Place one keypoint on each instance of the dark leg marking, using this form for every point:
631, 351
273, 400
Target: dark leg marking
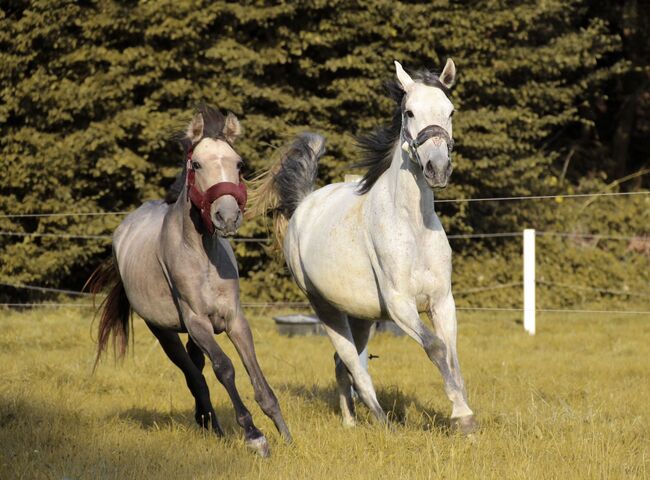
173, 347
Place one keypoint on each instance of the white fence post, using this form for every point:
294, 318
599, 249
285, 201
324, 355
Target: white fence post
529, 280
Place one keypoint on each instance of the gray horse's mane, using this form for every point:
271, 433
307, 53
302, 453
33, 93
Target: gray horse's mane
377, 146
213, 124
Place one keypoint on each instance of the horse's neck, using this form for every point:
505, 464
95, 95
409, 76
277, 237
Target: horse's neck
183, 218
408, 192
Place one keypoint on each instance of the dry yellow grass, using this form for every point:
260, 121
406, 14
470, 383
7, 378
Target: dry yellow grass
572, 402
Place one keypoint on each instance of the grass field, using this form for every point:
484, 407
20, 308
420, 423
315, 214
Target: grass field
571, 402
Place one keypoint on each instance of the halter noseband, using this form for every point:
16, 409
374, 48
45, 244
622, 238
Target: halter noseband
411, 145
203, 200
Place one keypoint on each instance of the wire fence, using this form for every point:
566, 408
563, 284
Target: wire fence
588, 236
266, 239
542, 197
105, 237
307, 305
451, 200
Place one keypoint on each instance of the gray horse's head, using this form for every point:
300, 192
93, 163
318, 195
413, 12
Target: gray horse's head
426, 123
209, 139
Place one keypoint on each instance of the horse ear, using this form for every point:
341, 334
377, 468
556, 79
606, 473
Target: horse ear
448, 75
232, 128
404, 78
195, 129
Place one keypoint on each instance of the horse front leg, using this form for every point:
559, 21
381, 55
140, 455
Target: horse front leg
202, 332
241, 336
443, 318
404, 313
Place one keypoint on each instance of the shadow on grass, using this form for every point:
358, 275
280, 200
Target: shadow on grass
151, 419
406, 410
41, 440
401, 408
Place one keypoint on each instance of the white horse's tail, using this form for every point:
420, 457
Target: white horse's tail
282, 187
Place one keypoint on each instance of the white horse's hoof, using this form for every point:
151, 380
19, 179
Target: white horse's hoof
349, 422
260, 446
464, 425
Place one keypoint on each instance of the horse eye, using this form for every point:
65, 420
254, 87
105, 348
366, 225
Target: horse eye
452, 113
409, 114
196, 165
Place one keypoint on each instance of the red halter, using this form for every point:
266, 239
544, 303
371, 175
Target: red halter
203, 200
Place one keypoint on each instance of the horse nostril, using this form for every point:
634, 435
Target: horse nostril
428, 169
218, 217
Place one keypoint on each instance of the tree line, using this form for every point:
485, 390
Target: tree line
552, 97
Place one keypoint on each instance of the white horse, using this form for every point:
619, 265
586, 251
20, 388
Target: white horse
376, 249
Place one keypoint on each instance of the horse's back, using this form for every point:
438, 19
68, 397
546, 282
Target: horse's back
137, 247
139, 230
326, 249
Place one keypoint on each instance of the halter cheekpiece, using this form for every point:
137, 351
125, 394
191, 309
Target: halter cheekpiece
411, 144
203, 200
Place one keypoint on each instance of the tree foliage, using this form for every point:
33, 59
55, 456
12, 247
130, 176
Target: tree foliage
93, 91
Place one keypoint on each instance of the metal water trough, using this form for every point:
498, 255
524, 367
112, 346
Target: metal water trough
299, 324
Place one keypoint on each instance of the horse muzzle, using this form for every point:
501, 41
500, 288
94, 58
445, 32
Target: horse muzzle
226, 216
221, 207
437, 172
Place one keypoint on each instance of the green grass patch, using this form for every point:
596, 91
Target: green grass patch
571, 402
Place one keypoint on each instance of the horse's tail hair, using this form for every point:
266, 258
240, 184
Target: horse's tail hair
281, 188
115, 309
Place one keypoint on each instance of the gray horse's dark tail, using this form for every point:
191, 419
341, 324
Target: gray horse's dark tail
115, 309
282, 187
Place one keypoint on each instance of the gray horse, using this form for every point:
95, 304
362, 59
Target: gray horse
173, 267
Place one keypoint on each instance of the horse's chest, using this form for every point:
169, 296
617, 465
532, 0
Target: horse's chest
217, 293
206, 285
430, 277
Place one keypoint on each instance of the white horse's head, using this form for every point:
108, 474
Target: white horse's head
426, 123
218, 190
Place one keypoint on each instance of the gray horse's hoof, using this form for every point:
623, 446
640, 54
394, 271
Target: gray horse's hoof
288, 439
464, 425
260, 446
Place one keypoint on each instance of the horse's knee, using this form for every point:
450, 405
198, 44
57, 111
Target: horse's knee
268, 403
436, 348
224, 370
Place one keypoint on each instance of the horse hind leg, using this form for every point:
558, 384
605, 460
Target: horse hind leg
171, 344
344, 385
361, 332
203, 417
338, 329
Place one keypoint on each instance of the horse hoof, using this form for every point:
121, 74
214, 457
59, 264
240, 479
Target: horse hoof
349, 422
260, 446
286, 436
213, 426
464, 425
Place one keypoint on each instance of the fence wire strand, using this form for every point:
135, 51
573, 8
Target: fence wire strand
302, 304
451, 200
592, 289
